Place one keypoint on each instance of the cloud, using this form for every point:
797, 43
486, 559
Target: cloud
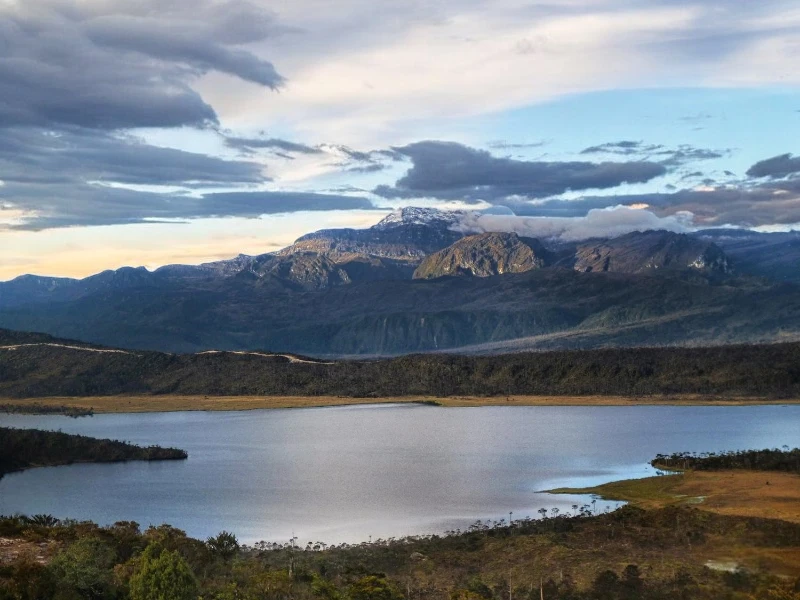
79, 156
415, 62
250, 144
51, 207
371, 168
777, 166
744, 205
624, 147
449, 170
686, 154
90, 177
504, 145
121, 65
672, 157
609, 222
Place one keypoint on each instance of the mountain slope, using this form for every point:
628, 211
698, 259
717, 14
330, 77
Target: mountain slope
649, 251
484, 255
394, 317
774, 256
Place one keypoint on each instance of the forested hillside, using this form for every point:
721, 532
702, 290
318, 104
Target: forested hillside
63, 368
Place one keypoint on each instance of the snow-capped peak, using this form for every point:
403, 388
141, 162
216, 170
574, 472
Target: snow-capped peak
413, 215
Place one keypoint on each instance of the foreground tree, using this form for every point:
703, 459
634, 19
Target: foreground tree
162, 575
85, 569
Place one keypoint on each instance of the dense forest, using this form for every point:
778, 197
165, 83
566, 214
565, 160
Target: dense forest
25, 448
42, 368
758, 460
630, 554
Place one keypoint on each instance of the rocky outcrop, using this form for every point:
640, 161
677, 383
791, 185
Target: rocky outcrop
484, 255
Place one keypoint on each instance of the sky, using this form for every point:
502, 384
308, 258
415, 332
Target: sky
184, 131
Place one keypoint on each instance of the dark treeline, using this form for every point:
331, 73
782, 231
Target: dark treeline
630, 554
33, 408
25, 448
771, 371
757, 460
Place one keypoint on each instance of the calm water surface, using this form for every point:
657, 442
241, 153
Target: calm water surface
347, 473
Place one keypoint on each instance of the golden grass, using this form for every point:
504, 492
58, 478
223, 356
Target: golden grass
170, 403
766, 494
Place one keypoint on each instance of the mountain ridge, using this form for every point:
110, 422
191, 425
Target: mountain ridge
358, 297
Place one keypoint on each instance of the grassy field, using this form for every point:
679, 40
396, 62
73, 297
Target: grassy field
132, 404
772, 495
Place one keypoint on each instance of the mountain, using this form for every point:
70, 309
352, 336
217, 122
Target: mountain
643, 252
484, 255
30, 289
542, 308
775, 256
39, 366
409, 234
400, 287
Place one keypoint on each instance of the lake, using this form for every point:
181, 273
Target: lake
346, 474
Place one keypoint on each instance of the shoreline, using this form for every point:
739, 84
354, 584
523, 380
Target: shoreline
740, 492
181, 403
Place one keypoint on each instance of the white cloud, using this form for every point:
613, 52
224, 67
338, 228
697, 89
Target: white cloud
372, 81
609, 222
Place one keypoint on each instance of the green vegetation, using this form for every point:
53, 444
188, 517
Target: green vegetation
760, 371
25, 448
628, 554
162, 575
35, 408
758, 460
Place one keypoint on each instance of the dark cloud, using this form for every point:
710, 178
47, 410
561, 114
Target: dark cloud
123, 65
744, 205
84, 177
250, 144
688, 154
359, 161
449, 170
777, 166
672, 157
356, 155
371, 168
30, 155
54, 206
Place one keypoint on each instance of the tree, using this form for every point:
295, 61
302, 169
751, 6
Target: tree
372, 587
224, 545
85, 567
162, 575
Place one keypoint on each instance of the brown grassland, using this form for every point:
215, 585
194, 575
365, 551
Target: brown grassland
173, 403
742, 493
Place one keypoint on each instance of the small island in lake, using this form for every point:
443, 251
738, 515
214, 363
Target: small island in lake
27, 448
